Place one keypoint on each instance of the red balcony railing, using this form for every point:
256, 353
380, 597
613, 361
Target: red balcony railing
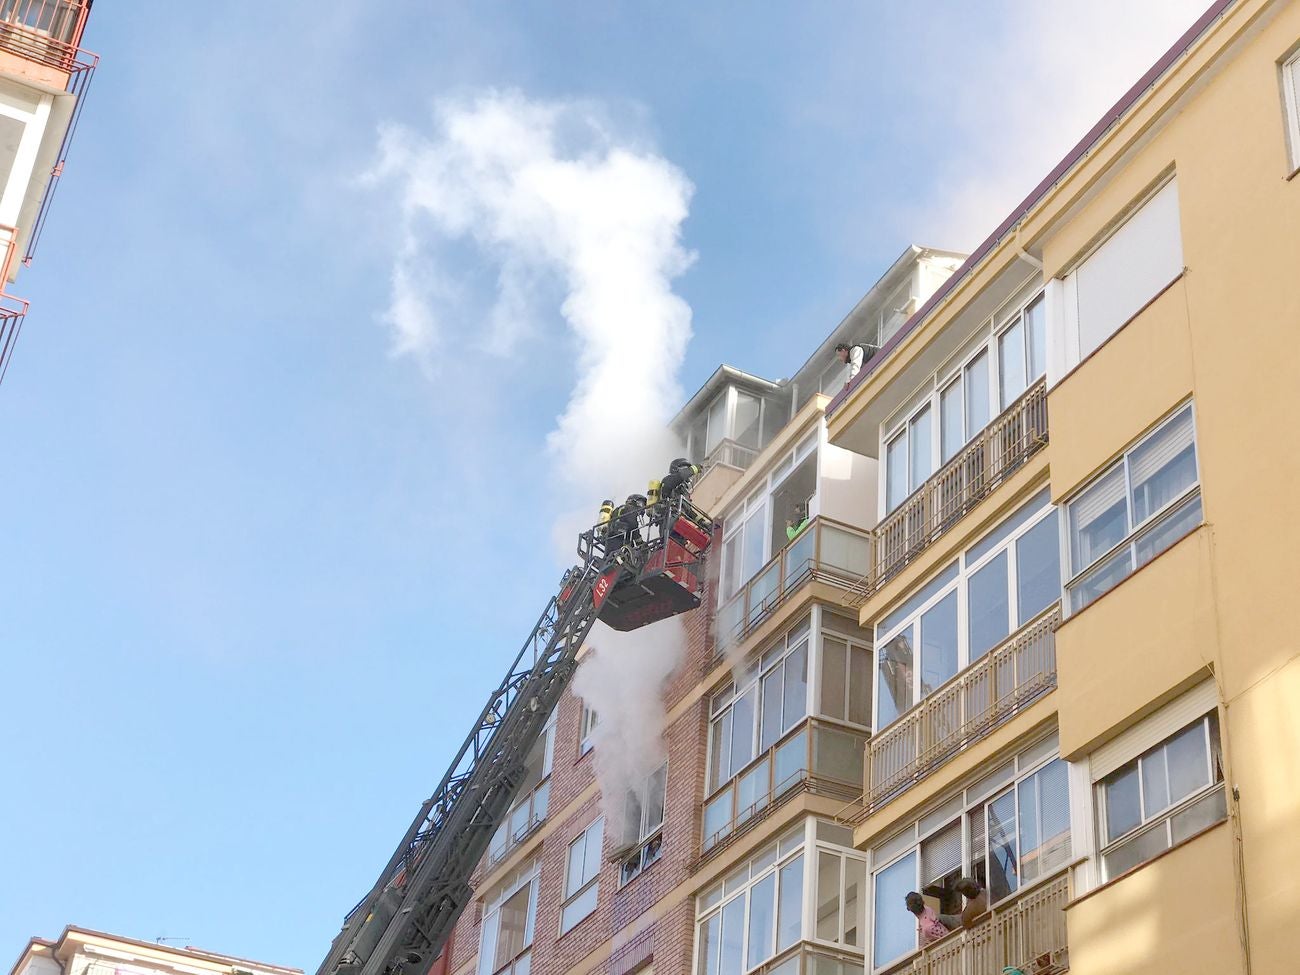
46, 31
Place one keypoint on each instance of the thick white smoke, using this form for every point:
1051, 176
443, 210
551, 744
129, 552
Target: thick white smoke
561, 210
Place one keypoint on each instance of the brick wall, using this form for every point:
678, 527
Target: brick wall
668, 941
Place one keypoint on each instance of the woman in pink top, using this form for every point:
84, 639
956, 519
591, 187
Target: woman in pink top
929, 926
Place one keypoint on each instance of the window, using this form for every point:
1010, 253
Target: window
531, 803
582, 876
1001, 583
751, 718
1291, 102
755, 529
1165, 795
755, 913
752, 739
840, 889
1010, 829
1133, 511
588, 724
643, 821
845, 679
990, 376
1133, 265
1022, 351
509, 914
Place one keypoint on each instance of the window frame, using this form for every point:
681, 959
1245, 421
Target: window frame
649, 839
527, 876
593, 882
967, 567
770, 861
586, 725
1162, 818
722, 701
542, 788
959, 808
1289, 70
736, 520
1134, 533
986, 338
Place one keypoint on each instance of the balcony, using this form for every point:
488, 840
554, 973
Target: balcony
816, 756
1025, 933
523, 821
46, 31
959, 713
12, 312
826, 551
809, 959
729, 453
997, 452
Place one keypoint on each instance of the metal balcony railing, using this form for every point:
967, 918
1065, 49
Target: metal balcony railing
815, 756
1025, 932
12, 313
826, 551
731, 453
959, 713
999, 450
809, 959
46, 31
524, 820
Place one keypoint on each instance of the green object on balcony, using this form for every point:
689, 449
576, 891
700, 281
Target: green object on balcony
1010, 970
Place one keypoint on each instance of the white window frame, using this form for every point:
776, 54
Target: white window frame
527, 875
586, 725
967, 567
931, 392
535, 802
1162, 818
722, 702
648, 841
1136, 532
1290, 76
960, 808
859, 643
808, 445
593, 833
738, 884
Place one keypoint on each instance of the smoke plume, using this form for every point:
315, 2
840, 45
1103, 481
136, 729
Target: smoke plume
561, 210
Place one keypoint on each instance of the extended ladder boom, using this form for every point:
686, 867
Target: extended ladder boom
408, 915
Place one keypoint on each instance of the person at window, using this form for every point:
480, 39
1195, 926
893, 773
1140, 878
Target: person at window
930, 927
977, 901
854, 355
796, 523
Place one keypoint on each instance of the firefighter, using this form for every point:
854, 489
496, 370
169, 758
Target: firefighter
678, 479
624, 528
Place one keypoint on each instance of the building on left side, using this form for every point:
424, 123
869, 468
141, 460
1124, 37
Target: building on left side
44, 74
80, 951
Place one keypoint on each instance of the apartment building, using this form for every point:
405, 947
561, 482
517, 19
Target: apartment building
44, 74
1033, 630
81, 951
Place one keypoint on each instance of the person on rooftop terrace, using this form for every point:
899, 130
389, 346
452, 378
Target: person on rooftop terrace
930, 926
854, 355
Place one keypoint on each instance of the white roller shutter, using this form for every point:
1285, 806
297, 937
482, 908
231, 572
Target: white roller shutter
1134, 265
1150, 732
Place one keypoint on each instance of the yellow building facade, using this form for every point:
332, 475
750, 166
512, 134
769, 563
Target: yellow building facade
1113, 751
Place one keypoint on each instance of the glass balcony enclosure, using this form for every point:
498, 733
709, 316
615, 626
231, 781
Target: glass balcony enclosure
792, 720
732, 417
802, 893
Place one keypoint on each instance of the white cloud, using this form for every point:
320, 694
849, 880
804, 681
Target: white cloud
545, 204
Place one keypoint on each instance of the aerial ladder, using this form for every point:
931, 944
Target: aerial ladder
642, 566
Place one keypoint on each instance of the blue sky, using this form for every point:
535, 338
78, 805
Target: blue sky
255, 581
